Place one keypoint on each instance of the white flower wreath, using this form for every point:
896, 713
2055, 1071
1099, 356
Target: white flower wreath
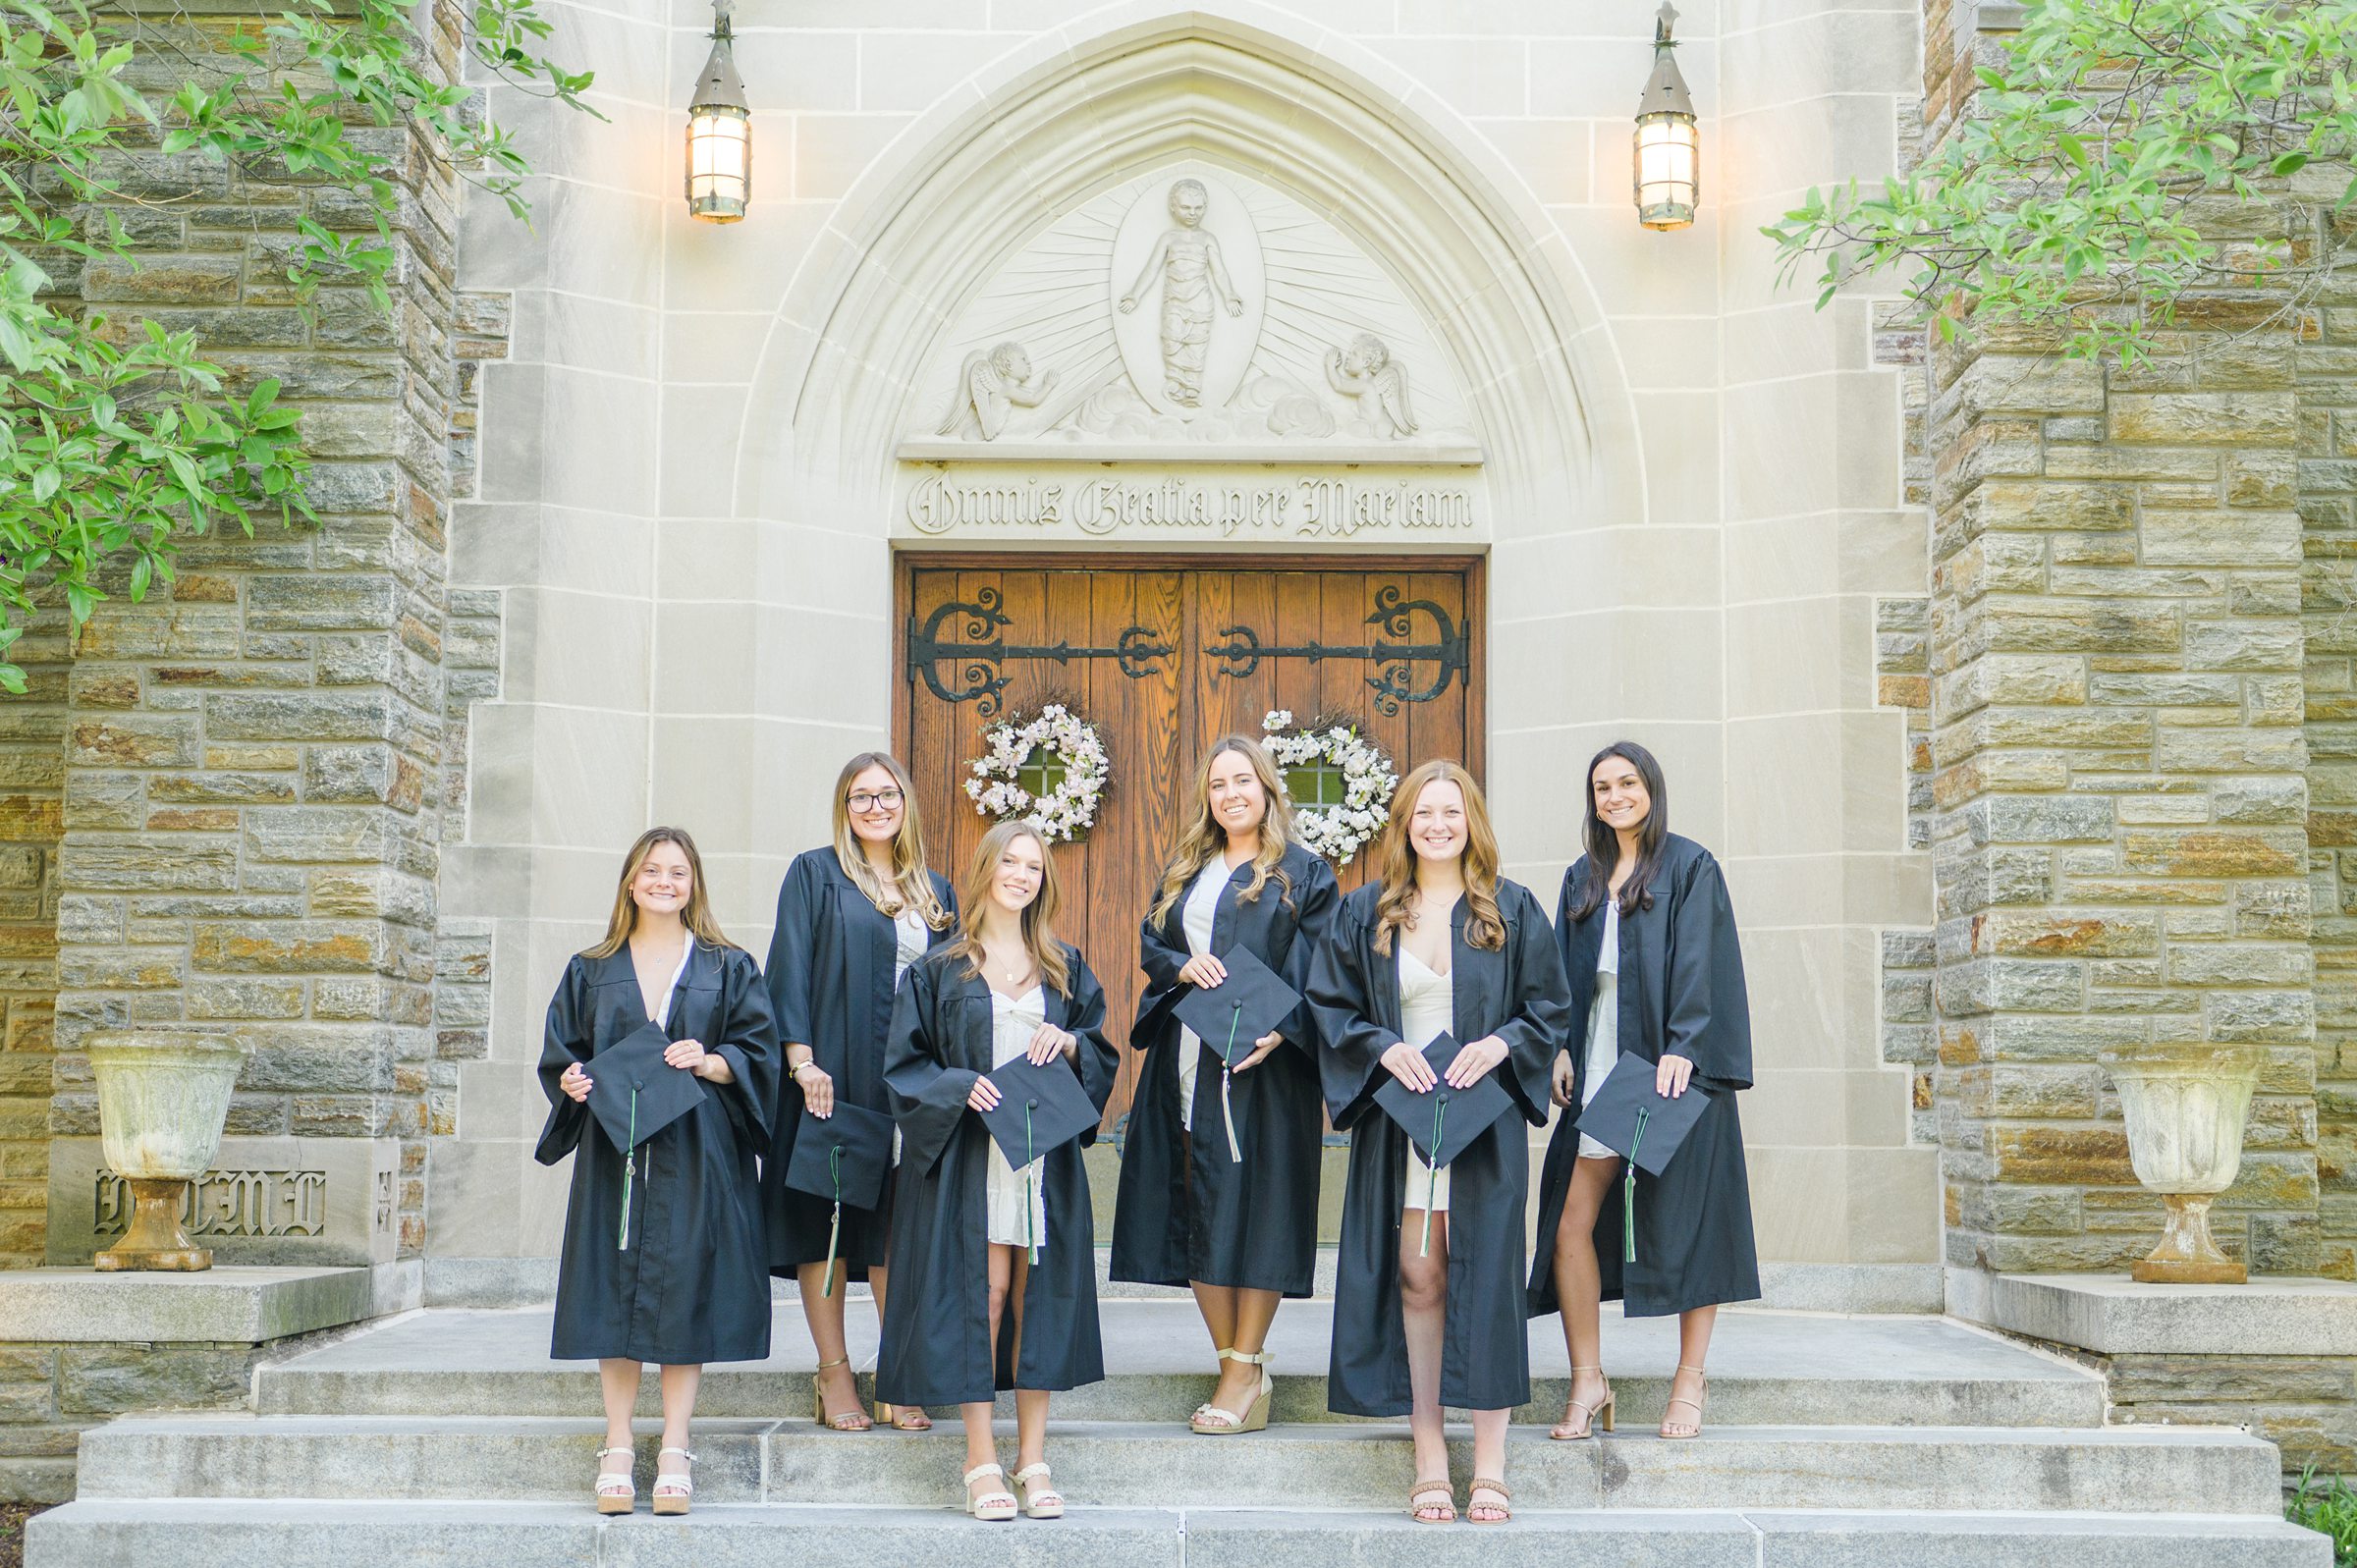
1336, 831
1064, 739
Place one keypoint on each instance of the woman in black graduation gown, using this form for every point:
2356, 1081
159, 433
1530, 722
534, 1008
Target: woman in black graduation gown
1440, 942
1243, 1233
970, 1312
1669, 987
689, 1287
853, 916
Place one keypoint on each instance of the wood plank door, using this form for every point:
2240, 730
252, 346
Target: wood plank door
1164, 655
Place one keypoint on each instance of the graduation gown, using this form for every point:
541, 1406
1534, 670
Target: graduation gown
936, 1347
1186, 1210
830, 981
1516, 993
690, 1286
1681, 993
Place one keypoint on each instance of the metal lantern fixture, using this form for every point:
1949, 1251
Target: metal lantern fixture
1669, 149
720, 131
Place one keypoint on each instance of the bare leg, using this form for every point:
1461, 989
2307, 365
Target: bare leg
1217, 1304
618, 1386
1423, 1309
824, 1314
1483, 1506
1239, 1381
1694, 1325
981, 1445
1577, 1289
908, 1418
679, 1384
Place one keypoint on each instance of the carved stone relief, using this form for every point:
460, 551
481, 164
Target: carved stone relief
1198, 315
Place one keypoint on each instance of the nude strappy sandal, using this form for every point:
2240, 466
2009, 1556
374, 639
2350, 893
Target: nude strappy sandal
1213, 1421
1602, 1410
1434, 1488
1696, 1404
1040, 1500
673, 1491
1504, 1508
994, 1506
852, 1419
616, 1492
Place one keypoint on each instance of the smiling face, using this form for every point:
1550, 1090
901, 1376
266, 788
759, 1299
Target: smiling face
1623, 802
1437, 829
876, 805
1016, 880
664, 879
1237, 799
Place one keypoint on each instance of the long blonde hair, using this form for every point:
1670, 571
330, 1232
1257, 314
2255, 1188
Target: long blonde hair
1394, 908
1038, 917
698, 916
1203, 837
911, 882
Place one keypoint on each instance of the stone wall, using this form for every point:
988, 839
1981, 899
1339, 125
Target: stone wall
32, 768
258, 762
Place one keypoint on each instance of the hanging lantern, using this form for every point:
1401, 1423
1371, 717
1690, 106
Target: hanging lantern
1669, 149
720, 131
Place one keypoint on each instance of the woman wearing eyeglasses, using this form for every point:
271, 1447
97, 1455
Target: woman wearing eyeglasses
853, 916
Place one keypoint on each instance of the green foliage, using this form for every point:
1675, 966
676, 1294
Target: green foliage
2331, 1510
2109, 167
121, 443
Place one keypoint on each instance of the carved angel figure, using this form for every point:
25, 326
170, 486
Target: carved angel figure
1365, 371
991, 385
1188, 260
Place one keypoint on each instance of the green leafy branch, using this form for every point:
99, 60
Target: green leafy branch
2127, 155
120, 441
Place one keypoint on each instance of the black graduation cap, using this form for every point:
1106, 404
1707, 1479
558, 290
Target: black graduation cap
635, 1095
842, 1157
1643, 1127
1444, 1121
1233, 1015
1039, 1109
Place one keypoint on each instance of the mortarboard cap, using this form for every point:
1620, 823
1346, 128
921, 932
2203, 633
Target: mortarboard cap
1643, 1127
635, 1093
1233, 1015
843, 1158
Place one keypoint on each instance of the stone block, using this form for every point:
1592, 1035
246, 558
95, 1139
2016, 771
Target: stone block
342, 716
2238, 965
291, 947
133, 740
2039, 819
350, 773
2081, 625
274, 1202
2066, 933
112, 1379
2197, 418
322, 601
2214, 851
2221, 749
314, 834
192, 865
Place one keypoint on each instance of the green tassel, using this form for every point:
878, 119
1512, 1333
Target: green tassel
1030, 1175
1432, 1173
1628, 1191
1235, 1153
834, 1225
630, 1168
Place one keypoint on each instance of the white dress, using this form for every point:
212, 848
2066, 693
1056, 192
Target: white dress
1604, 1024
910, 937
1014, 1020
1427, 1009
1202, 906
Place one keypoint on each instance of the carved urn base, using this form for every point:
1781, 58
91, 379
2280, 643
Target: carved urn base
2186, 1255
154, 1239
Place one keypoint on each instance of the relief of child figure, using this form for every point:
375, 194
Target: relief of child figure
1366, 373
1188, 260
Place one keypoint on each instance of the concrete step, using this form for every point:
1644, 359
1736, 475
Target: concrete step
337, 1534
1109, 1464
1768, 1369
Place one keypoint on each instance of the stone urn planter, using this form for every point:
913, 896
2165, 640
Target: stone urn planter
163, 1095
2184, 1103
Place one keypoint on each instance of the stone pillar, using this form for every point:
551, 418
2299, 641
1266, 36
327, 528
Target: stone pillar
257, 759
2119, 824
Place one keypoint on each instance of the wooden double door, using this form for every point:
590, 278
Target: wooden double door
1164, 655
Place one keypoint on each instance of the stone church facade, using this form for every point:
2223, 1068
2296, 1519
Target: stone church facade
2016, 694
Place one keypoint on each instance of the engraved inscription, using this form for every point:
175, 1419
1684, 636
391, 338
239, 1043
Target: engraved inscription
1298, 508
230, 1202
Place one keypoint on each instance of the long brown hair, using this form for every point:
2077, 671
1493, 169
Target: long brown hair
698, 916
1394, 908
1203, 837
911, 882
1039, 915
1604, 840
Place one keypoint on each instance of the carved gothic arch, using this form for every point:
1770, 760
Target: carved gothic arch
1256, 90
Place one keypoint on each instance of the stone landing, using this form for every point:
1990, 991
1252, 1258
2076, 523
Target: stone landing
448, 1437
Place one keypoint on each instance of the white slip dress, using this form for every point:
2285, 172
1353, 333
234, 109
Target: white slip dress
1014, 1020
1202, 906
1427, 1009
1604, 1024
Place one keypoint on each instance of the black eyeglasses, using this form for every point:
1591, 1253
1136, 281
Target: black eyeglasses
871, 799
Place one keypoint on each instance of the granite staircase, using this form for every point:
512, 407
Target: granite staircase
446, 1437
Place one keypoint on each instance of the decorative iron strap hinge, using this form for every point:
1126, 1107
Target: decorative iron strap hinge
1393, 680
981, 676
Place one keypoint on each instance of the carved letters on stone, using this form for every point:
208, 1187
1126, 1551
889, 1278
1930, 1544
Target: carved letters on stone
230, 1203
